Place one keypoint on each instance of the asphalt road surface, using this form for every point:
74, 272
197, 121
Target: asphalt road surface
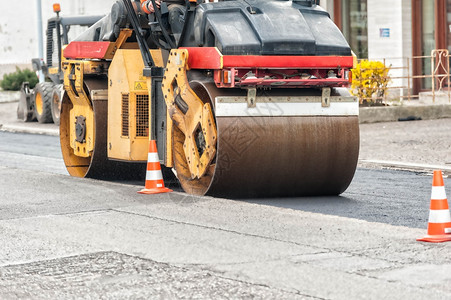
392, 197
65, 237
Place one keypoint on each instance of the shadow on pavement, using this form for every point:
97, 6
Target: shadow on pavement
325, 205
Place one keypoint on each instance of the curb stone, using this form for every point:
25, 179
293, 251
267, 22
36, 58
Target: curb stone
394, 113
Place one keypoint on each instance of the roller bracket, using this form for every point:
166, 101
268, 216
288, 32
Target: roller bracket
325, 97
82, 130
190, 114
252, 97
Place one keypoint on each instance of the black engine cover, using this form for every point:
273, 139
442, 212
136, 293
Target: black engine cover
268, 27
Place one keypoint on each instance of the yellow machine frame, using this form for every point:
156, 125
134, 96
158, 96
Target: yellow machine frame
130, 96
128, 91
129, 105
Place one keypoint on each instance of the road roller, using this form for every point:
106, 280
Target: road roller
244, 98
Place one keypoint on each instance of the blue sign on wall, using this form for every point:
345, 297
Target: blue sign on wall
384, 32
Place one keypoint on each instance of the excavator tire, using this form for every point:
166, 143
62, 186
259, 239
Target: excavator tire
43, 93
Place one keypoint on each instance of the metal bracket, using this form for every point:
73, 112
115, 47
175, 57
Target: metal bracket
153, 72
252, 97
80, 129
325, 97
175, 85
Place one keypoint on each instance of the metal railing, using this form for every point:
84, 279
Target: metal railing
401, 77
440, 71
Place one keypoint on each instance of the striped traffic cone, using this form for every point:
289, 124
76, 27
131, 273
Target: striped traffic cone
439, 226
154, 177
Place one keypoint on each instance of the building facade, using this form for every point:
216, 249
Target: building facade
391, 30
18, 27
401, 32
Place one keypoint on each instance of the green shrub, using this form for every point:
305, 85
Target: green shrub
370, 80
13, 81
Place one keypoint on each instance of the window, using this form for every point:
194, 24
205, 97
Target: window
427, 38
354, 23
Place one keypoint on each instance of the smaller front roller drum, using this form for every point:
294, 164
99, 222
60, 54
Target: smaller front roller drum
96, 165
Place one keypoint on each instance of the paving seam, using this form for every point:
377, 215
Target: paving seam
321, 249
221, 229
59, 214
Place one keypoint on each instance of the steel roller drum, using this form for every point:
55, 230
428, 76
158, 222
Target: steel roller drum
98, 165
293, 156
278, 152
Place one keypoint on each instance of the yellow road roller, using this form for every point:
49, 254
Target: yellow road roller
244, 98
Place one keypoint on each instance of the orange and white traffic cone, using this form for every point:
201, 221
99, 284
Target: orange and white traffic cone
439, 226
154, 177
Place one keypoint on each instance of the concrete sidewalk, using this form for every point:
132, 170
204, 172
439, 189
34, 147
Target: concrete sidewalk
10, 123
421, 145
413, 145
9, 96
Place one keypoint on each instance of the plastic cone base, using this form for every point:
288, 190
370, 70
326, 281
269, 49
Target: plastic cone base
155, 190
436, 238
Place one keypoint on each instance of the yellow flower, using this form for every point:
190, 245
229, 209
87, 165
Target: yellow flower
369, 81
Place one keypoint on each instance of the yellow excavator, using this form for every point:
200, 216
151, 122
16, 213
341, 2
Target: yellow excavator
43, 102
248, 100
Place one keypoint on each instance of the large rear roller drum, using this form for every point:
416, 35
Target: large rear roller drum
97, 165
271, 156
277, 156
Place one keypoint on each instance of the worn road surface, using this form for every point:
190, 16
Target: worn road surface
65, 237
71, 238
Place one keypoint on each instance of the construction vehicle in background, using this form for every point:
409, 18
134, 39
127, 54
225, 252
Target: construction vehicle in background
43, 102
250, 100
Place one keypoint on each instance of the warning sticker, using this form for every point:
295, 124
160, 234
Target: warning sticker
140, 85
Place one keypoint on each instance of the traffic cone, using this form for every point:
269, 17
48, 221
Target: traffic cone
439, 226
154, 177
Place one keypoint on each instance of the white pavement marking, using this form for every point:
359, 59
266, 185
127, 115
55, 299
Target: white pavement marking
404, 165
25, 128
